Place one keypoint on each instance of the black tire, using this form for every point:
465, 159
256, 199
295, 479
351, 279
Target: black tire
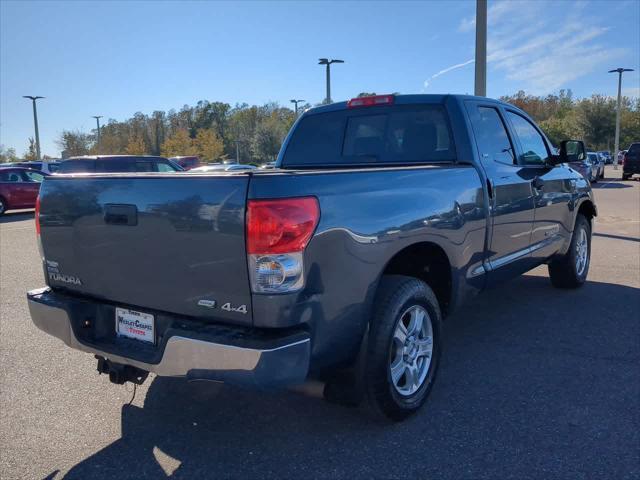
397, 295
564, 272
625, 177
3, 206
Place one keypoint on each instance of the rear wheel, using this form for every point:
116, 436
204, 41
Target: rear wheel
625, 177
404, 347
3, 207
571, 270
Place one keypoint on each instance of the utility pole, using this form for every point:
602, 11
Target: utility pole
295, 102
481, 48
98, 117
327, 62
616, 144
35, 122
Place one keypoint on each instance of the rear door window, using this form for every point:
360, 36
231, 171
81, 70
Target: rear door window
491, 135
401, 134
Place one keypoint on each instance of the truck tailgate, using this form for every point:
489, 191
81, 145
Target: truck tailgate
174, 243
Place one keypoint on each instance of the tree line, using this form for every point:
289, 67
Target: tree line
217, 131
592, 119
211, 130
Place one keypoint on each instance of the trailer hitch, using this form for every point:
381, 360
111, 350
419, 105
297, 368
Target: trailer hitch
119, 373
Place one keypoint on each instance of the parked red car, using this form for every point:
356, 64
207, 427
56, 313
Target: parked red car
19, 187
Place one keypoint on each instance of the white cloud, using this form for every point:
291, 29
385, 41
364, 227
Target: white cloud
542, 51
446, 70
540, 45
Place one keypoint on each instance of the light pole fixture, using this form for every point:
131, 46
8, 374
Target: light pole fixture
327, 62
98, 117
617, 137
35, 122
296, 102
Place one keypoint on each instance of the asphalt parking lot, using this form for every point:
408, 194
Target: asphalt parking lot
534, 383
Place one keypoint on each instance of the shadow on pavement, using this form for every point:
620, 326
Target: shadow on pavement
534, 381
616, 237
11, 217
610, 183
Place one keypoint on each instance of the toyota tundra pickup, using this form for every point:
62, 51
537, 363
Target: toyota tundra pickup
383, 214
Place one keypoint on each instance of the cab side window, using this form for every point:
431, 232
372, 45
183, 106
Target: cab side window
10, 176
491, 135
34, 177
534, 148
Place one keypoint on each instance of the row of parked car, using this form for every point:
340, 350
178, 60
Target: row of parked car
20, 181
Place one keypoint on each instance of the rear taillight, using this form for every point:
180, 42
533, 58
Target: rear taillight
37, 215
624, 159
370, 101
278, 231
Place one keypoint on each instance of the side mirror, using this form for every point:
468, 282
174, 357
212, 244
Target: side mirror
570, 151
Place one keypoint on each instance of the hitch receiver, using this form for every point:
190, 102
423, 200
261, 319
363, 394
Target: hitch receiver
119, 373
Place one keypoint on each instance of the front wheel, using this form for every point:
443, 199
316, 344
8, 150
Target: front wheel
571, 270
404, 347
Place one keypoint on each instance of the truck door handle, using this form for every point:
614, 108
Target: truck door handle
118, 214
537, 183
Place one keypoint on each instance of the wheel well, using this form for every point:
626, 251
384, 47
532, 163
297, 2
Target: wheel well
429, 263
588, 210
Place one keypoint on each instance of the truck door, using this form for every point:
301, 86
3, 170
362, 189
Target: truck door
511, 195
552, 188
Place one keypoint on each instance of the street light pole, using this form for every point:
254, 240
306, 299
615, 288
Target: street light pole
617, 137
327, 62
295, 102
35, 122
481, 48
98, 117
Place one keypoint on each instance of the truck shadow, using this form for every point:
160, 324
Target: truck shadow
19, 216
524, 365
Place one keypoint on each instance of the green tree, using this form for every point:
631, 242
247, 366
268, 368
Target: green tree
630, 124
74, 143
136, 145
179, 143
208, 145
267, 139
558, 129
7, 154
597, 119
31, 153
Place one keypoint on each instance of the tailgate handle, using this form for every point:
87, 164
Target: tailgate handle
118, 214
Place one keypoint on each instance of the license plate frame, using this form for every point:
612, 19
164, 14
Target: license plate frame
140, 326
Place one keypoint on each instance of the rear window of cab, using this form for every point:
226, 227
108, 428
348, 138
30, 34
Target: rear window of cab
402, 134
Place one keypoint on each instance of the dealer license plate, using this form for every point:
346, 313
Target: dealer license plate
138, 325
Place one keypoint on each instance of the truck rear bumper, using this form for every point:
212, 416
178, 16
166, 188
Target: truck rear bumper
201, 353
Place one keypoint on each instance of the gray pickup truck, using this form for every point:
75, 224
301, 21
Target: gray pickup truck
384, 214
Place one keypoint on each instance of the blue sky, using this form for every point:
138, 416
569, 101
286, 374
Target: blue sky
117, 58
